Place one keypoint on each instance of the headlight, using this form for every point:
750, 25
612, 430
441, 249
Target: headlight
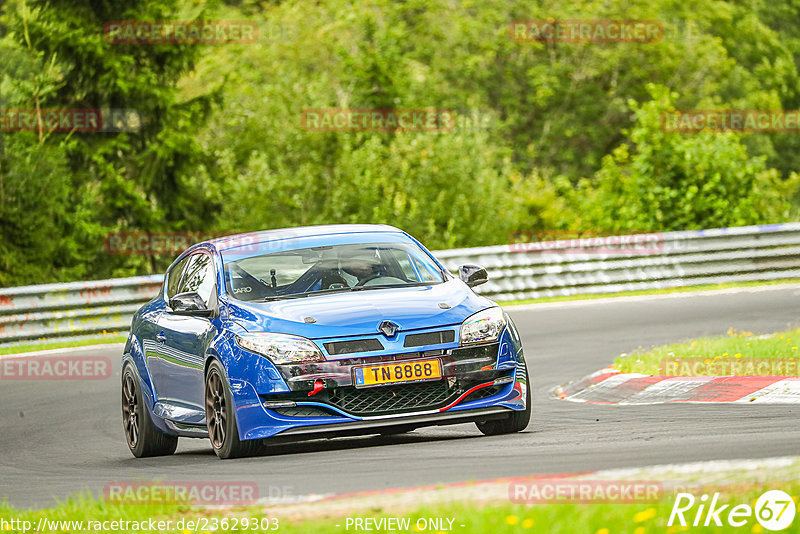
483, 326
281, 348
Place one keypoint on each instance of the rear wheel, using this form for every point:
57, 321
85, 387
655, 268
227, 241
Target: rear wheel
221, 420
516, 422
142, 436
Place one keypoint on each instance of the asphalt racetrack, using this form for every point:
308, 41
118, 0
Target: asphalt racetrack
60, 438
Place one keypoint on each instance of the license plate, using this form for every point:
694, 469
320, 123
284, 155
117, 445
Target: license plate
397, 373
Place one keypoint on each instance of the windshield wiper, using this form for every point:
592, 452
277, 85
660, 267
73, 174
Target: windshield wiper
282, 297
342, 290
308, 294
325, 291
390, 286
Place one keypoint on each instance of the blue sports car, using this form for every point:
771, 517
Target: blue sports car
317, 332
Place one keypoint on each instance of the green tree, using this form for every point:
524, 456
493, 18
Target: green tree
145, 179
678, 181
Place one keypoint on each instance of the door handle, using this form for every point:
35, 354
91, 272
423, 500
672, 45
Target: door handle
161, 338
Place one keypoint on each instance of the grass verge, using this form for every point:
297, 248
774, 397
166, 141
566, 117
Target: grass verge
665, 291
461, 517
719, 352
17, 349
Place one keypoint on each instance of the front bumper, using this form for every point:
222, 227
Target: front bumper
479, 382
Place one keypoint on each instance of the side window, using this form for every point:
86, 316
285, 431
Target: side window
199, 277
174, 278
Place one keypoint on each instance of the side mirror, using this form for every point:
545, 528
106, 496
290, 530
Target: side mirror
473, 275
190, 303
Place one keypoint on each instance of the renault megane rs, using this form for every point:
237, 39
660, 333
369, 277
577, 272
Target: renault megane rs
317, 332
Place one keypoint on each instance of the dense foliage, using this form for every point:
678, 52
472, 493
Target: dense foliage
549, 135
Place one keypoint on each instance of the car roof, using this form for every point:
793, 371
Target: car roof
262, 236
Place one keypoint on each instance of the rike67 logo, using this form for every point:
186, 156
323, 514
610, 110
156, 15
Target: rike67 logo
774, 510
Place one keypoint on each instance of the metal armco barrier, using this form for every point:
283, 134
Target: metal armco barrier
627, 263
64, 311
516, 271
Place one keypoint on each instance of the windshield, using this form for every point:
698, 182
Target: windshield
310, 271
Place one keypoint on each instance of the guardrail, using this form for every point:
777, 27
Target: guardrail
516, 271
644, 261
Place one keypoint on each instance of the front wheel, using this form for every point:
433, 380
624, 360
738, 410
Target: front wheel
143, 438
516, 422
221, 420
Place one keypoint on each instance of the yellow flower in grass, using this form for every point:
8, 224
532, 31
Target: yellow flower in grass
602, 531
694, 343
737, 355
639, 530
757, 528
511, 520
707, 361
528, 523
645, 515
724, 353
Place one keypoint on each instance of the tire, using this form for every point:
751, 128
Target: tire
221, 420
516, 422
143, 438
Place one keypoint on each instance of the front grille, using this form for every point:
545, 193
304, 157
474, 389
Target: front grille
381, 400
356, 345
303, 411
429, 338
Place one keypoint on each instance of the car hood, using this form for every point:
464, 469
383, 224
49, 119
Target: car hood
360, 313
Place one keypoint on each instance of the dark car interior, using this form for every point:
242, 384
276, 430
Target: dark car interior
325, 269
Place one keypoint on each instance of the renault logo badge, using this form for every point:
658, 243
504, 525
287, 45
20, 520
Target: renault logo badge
388, 328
